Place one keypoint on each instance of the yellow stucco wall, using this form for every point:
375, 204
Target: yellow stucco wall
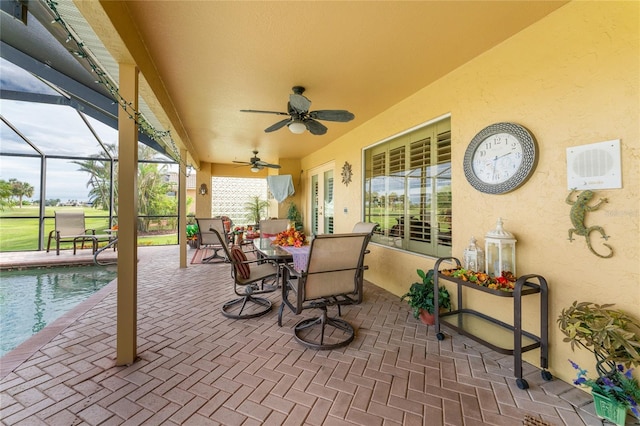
571, 79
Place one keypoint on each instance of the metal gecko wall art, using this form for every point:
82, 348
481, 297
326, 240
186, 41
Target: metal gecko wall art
579, 209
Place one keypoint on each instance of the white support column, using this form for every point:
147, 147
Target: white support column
127, 301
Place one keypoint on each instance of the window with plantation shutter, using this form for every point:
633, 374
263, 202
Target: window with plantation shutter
378, 165
408, 190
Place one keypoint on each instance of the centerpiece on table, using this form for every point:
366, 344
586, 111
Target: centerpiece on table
291, 238
613, 337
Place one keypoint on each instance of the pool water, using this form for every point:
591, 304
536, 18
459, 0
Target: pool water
33, 298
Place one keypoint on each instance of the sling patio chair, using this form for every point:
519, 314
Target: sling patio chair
70, 228
367, 227
333, 276
209, 239
250, 278
272, 227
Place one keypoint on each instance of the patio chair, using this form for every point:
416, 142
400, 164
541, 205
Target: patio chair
272, 227
209, 239
367, 227
69, 228
250, 278
333, 276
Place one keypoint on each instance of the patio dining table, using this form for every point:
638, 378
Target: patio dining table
298, 256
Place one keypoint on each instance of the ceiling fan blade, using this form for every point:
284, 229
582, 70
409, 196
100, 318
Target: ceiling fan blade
299, 103
265, 164
264, 112
242, 162
278, 125
332, 115
315, 127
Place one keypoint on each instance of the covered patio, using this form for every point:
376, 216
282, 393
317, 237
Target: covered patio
197, 367
153, 348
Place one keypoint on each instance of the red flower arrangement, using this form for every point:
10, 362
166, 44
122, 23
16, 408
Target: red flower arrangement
290, 237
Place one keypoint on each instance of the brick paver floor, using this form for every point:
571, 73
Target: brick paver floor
197, 367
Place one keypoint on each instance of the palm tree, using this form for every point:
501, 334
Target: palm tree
153, 190
20, 190
255, 207
99, 183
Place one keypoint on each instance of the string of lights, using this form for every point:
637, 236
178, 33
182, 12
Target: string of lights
162, 137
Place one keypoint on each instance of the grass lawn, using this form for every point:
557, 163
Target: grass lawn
19, 228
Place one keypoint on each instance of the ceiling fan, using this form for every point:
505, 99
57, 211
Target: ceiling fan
301, 119
257, 164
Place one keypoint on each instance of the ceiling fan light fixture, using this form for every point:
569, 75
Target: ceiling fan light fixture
297, 127
255, 169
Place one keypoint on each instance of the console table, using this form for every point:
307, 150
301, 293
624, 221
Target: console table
509, 339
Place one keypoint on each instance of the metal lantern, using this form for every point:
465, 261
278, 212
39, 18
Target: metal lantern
473, 257
500, 251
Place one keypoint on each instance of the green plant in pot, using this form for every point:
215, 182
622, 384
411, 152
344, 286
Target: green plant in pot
192, 235
254, 209
420, 297
293, 214
613, 337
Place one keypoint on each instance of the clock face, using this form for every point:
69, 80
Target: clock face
500, 158
497, 158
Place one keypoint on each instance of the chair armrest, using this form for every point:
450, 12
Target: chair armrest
90, 231
291, 271
249, 261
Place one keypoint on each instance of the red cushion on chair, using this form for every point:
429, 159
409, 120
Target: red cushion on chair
238, 256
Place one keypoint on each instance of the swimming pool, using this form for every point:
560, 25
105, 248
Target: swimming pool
33, 298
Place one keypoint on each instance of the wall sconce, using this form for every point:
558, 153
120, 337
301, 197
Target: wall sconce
500, 251
203, 189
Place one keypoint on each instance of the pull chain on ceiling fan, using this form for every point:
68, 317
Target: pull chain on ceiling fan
301, 119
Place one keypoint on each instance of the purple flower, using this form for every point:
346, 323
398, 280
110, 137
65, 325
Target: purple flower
627, 373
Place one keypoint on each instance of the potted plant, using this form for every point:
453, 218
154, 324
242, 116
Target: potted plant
192, 235
614, 339
420, 297
293, 214
254, 209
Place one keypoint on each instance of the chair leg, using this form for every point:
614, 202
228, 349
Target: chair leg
256, 306
341, 335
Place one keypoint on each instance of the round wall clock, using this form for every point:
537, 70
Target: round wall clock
346, 173
500, 158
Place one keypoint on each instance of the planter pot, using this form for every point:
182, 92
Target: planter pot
609, 409
427, 318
